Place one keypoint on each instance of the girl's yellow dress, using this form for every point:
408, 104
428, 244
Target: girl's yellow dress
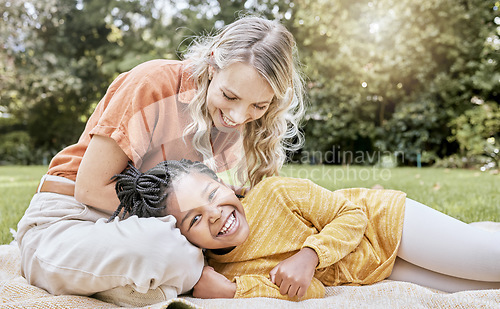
355, 232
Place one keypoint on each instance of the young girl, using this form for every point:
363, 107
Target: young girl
288, 238
237, 92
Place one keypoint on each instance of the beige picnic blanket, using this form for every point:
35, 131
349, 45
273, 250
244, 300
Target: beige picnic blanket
15, 292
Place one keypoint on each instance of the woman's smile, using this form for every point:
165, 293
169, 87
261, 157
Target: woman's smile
225, 121
236, 95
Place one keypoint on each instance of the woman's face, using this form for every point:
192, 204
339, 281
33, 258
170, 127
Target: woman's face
208, 213
236, 95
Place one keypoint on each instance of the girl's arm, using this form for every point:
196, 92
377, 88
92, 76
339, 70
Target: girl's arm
261, 286
341, 225
214, 285
102, 160
294, 275
340, 222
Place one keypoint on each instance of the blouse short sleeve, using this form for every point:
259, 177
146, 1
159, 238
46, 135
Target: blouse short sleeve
145, 112
138, 105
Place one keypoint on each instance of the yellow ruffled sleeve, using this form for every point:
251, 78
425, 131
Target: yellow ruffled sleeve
260, 286
340, 222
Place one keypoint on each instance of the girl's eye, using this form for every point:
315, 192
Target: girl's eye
212, 194
261, 108
195, 219
227, 97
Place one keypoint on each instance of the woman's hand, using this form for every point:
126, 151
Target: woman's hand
293, 275
213, 285
238, 190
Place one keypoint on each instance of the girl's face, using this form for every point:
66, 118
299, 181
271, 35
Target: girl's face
208, 213
236, 95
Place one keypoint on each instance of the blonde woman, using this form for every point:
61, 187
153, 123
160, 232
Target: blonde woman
235, 101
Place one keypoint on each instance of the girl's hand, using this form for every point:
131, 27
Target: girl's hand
293, 275
213, 285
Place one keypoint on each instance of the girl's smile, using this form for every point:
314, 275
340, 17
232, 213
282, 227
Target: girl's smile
208, 213
230, 226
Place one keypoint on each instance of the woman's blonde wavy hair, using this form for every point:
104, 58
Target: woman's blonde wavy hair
270, 48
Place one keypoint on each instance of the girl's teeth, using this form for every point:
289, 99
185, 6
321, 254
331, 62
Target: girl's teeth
228, 225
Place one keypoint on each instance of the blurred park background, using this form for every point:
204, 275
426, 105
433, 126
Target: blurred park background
418, 78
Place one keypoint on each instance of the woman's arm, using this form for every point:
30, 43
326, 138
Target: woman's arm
102, 160
213, 285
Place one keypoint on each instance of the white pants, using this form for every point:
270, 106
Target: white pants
69, 248
441, 252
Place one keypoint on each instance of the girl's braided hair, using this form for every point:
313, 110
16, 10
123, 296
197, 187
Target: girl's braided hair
144, 194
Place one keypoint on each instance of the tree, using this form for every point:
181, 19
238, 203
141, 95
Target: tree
378, 68
477, 131
64, 53
192, 18
382, 75
59, 56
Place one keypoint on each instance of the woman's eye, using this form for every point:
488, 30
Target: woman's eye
261, 108
227, 97
195, 219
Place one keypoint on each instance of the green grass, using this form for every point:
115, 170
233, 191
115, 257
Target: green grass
464, 194
467, 195
17, 186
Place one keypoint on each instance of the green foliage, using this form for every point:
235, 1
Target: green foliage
395, 74
416, 128
197, 17
15, 146
64, 53
61, 55
382, 75
51, 70
478, 132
